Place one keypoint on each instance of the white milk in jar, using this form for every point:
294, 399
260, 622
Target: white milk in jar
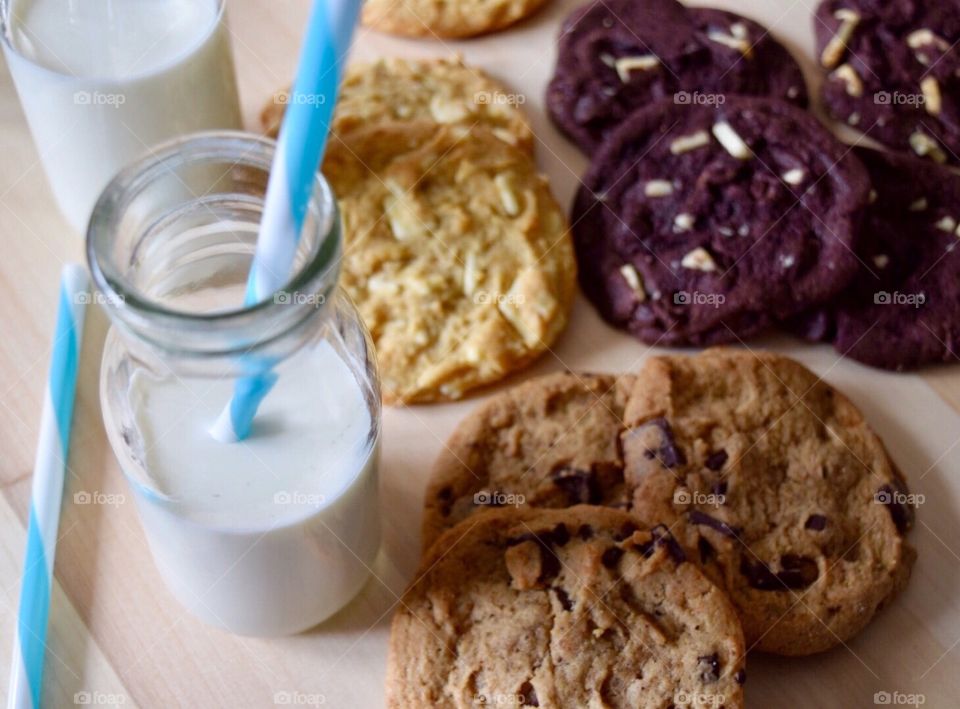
103, 81
272, 534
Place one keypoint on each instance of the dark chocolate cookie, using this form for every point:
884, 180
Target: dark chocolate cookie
562, 608
903, 309
616, 56
702, 224
893, 71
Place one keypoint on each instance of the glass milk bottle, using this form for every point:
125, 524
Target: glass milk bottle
272, 534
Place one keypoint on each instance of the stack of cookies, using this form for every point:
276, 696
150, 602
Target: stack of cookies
456, 253
715, 207
648, 531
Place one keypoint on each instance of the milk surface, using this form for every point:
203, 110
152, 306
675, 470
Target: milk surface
103, 81
270, 535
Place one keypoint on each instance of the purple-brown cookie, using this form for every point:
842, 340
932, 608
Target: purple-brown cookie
616, 56
903, 308
701, 224
893, 71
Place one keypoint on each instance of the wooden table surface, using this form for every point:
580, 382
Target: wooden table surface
118, 637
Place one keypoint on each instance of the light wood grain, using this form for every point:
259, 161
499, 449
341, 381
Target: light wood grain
116, 631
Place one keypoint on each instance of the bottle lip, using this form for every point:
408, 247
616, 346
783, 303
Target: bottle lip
317, 273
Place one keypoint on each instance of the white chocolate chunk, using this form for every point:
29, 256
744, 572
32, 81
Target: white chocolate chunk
918, 205
932, 101
947, 224
853, 119
738, 43
787, 260
633, 280
794, 176
508, 198
833, 52
608, 59
731, 141
625, 65
690, 142
470, 275
739, 30
881, 260
683, 222
851, 79
926, 38
446, 111
658, 188
923, 145
699, 260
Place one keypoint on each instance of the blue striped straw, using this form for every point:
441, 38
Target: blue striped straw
300, 146
29, 642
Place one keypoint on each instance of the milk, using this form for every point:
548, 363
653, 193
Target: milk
102, 81
274, 534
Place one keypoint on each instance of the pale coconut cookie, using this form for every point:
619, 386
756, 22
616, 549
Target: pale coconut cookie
456, 254
441, 90
439, 18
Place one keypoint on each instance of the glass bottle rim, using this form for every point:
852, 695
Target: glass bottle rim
240, 149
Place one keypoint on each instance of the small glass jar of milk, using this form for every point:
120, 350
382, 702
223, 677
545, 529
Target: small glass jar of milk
270, 535
102, 81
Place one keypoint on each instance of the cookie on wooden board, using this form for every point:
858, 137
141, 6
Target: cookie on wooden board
455, 253
562, 608
398, 89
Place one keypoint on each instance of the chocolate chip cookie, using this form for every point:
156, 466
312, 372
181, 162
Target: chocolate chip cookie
699, 225
893, 71
773, 482
549, 442
769, 478
616, 56
903, 308
577, 607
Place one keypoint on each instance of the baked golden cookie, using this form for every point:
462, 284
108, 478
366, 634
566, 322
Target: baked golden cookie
769, 478
562, 608
456, 254
442, 90
440, 18
552, 441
